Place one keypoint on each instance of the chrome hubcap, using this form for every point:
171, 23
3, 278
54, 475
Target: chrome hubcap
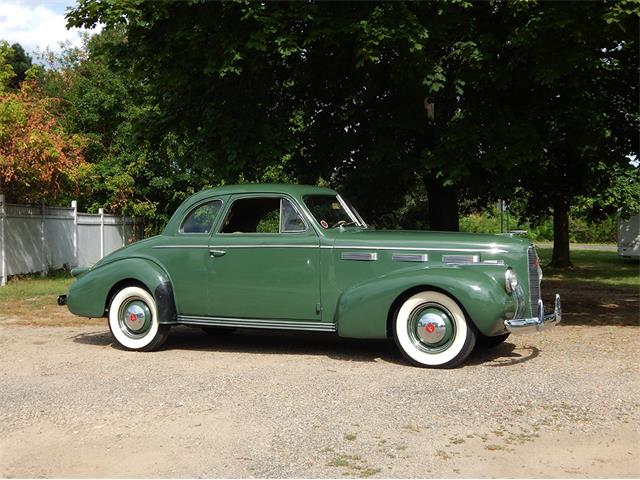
135, 318
431, 327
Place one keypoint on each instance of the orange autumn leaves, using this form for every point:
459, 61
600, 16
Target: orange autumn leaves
39, 161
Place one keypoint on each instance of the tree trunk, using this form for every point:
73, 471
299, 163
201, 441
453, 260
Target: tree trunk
560, 258
442, 206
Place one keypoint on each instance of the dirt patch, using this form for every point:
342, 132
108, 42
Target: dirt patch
42, 311
594, 304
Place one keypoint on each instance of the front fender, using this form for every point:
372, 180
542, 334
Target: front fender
363, 309
89, 294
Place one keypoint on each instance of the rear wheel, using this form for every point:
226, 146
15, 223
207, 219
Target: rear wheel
431, 330
133, 320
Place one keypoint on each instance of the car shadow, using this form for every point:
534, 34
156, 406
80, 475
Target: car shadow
503, 355
267, 342
308, 343
285, 343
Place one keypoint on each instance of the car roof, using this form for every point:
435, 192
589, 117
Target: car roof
292, 189
295, 191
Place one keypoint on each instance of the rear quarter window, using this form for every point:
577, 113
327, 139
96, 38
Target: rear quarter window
202, 218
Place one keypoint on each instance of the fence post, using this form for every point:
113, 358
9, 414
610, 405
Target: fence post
101, 212
3, 260
124, 231
74, 205
43, 250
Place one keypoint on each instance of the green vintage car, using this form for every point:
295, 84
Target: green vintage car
295, 257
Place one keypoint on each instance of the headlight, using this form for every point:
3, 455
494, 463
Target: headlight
510, 280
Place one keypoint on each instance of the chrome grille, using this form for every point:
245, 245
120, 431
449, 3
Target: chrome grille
534, 279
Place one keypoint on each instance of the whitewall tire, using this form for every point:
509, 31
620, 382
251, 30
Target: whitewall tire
431, 330
133, 320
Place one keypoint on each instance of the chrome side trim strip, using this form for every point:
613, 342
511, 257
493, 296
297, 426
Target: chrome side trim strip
460, 259
180, 246
265, 246
410, 257
256, 323
362, 256
350, 247
415, 249
235, 246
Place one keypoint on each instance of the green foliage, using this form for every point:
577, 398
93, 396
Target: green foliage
20, 62
582, 229
6, 70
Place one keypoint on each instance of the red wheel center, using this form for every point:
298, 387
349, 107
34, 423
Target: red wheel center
133, 317
430, 328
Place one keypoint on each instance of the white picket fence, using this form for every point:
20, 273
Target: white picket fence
39, 238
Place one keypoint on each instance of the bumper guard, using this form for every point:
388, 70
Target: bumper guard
536, 324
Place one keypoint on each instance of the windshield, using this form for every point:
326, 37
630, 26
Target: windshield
331, 211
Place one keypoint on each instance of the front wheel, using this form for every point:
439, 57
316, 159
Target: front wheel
133, 320
431, 330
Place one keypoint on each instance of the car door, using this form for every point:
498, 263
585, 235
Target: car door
264, 262
185, 256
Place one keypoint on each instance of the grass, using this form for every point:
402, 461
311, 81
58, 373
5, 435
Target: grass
594, 267
32, 300
354, 464
36, 287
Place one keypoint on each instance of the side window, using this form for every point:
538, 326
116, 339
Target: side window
262, 215
291, 221
201, 218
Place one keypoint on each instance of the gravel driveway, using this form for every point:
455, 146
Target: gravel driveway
564, 404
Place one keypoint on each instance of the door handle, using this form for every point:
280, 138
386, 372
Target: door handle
216, 253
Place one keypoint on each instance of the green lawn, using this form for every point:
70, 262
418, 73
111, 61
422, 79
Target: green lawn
32, 295
598, 267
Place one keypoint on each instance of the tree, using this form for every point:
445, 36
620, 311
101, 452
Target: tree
491, 100
20, 62
38, 160
6, 70
250, 87
98, 100
559, 90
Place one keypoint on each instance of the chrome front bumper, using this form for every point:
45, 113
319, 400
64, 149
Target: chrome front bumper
538, 323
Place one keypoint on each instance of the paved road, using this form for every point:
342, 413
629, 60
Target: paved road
563, 404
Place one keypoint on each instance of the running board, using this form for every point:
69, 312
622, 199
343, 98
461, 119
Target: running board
256, 323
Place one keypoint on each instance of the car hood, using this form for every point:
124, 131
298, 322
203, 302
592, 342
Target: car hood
429, 240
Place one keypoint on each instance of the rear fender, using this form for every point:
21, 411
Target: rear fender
90, 294
363, 310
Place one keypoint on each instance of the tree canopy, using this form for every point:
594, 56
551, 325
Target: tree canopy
410, 107
498, 100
